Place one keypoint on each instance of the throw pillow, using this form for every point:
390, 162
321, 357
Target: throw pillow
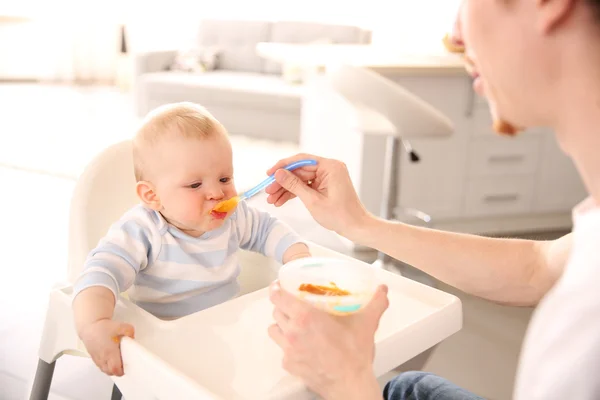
196, 60
294, 73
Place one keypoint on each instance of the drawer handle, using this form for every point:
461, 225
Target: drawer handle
470, 98
514, 158
497, 198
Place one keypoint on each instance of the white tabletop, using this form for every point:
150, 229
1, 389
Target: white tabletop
225, 353
380, 58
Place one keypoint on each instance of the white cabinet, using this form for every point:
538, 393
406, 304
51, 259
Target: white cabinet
558, 186
499, 156
481, 182
511, 194
436, 184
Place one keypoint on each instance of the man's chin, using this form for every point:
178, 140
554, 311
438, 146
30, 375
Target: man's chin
502, 125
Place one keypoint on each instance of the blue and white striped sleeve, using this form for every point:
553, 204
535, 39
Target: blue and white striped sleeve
129, 246
263, 233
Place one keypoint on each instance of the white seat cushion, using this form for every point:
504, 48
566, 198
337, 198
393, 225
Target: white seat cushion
228, 87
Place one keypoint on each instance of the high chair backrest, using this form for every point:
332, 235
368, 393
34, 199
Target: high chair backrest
412, 116
103, 192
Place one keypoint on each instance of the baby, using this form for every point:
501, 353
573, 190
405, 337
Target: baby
177, 256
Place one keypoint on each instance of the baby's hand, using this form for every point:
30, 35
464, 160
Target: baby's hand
102, 341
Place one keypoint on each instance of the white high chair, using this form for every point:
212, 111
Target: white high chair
104, 191
222, 352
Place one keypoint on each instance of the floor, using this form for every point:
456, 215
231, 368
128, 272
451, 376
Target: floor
47, 134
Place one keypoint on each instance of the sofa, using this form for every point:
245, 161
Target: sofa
247, 93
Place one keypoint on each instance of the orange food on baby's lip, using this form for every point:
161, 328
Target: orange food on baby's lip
226, 205
332, 290
116, 339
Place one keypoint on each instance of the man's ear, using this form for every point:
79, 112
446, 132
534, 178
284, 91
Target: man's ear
147, 194
553, 12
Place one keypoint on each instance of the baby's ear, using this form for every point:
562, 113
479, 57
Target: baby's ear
147, 194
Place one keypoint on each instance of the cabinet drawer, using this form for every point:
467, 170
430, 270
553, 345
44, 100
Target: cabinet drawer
500, 156
499, 195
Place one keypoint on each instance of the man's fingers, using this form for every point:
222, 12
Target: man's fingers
273, 188
304, 175
293, 184
274, 198
286, 161
281, 320
287, 303
378, 304
276, 334
285, 197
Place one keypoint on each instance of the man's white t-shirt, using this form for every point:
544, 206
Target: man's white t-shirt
560, 358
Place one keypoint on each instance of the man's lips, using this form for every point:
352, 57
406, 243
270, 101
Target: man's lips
478, 85
472, 70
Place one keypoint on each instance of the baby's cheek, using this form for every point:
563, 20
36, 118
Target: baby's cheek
231, 191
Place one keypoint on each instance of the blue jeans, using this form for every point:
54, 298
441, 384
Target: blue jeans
424, 386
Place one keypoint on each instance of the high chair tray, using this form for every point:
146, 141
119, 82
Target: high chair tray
225, 353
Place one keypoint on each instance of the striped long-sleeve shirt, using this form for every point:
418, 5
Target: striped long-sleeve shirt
171, 274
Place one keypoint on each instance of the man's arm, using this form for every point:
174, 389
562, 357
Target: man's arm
508, 271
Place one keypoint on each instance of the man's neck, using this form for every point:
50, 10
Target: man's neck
574, 97
578, 133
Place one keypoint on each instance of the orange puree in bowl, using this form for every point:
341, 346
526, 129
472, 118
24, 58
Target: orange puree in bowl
332, 290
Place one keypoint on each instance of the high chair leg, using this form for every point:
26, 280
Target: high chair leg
42, 380
116, 393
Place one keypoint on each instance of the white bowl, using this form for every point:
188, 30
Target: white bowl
356, 277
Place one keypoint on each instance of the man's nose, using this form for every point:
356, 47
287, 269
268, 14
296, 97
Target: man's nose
456, 36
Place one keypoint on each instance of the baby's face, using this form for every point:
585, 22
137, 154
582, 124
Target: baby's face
192, 176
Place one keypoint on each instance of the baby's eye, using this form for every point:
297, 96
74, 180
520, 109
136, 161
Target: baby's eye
195, 185
225, 180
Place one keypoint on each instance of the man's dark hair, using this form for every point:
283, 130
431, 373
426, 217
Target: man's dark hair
596, 6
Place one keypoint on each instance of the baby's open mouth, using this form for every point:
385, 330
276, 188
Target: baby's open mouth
218, 214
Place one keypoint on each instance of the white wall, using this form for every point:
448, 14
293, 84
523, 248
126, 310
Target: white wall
413, 25
62, 25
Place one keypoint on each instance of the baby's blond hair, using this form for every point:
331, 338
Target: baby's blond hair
185, 119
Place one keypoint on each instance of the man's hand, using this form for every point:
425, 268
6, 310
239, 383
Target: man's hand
332, 355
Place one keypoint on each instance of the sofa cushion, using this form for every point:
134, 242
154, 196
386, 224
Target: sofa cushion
311, 32
195, 60
236, 41
251, 90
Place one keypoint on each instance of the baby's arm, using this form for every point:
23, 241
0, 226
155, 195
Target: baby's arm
295, 251
92, 305
263, 233
109, 270
93, 310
